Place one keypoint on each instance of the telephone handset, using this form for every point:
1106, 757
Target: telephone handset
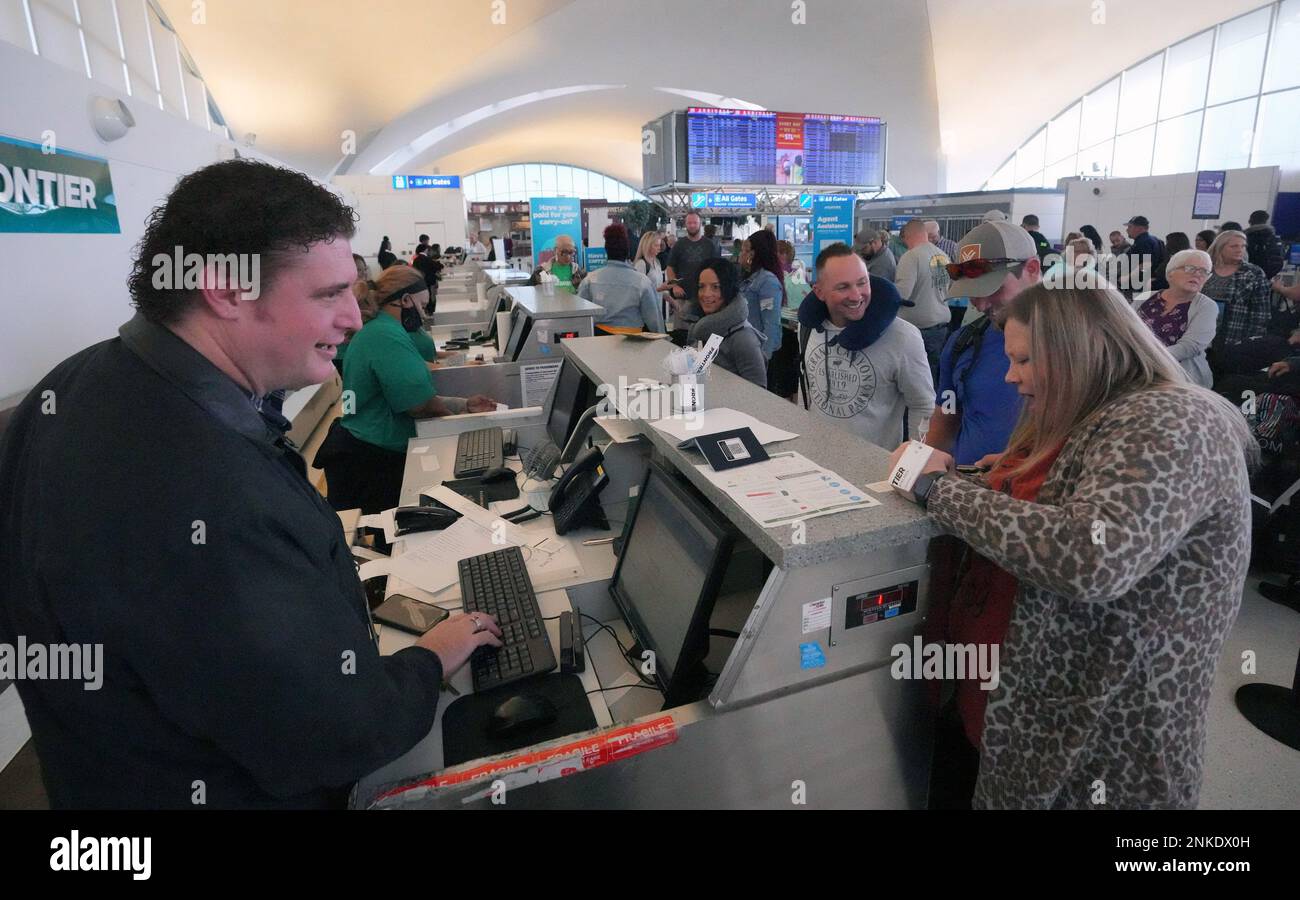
575, 500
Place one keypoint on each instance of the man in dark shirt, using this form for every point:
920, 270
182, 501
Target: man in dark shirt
1042, 246
689, 255
151, 506
1145, 254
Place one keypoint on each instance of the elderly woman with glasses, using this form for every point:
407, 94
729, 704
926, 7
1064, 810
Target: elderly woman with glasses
1181, 317
563, 265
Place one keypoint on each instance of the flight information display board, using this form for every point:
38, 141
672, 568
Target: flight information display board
743, 146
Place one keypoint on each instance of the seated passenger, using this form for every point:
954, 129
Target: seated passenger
1181, 317
389, 386
724, 312
627, 297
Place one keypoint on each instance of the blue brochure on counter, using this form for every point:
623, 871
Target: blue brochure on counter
729, 449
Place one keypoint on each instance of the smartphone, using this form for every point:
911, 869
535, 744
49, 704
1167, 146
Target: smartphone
970, 470
408, 614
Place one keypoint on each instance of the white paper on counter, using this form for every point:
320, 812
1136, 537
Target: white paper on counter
431, 564
787, 488
711, 421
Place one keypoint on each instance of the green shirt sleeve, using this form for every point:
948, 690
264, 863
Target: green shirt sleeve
424, 345
402, 375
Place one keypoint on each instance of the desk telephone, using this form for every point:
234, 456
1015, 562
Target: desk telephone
575, 500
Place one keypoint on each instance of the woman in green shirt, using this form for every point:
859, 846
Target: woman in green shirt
386, 387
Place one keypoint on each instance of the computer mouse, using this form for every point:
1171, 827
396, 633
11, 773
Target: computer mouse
522, 712
500, 473
411, 519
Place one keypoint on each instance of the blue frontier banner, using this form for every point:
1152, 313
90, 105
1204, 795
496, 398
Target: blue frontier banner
54, 193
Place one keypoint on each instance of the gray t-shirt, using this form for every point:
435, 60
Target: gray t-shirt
687, 258
923, 279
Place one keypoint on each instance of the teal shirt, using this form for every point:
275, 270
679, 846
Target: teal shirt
424, 344
387, 376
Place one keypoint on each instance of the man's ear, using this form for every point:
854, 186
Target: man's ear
1033, 266
224, 303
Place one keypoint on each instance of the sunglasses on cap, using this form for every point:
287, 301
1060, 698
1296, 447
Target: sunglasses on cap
974, 268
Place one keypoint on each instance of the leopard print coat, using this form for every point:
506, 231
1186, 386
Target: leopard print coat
1131, 565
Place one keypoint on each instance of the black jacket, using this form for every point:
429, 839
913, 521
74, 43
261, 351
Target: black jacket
157, 513
1264, 249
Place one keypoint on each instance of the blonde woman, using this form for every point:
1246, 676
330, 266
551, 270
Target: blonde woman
1126, 561
647, 260
1240, 287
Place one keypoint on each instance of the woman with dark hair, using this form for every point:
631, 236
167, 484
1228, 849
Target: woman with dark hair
764, 291
628, 300
1175, 242
1204, 239
723, 312
386, 255
1093, 235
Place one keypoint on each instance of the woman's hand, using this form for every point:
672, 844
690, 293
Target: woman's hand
456, 638
480, 404
1279, 368
990, 462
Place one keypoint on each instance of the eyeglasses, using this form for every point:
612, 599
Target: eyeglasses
1193, 270
974, 268
564, 252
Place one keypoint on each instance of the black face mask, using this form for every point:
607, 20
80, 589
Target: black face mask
411, 319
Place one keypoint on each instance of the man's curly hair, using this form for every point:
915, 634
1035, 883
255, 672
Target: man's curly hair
241, 206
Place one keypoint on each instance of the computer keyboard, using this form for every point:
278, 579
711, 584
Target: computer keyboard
497, 583
479, 450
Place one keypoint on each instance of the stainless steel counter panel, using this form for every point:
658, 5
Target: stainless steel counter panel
554, 305
895, 522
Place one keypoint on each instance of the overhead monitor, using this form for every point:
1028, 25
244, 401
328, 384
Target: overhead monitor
667, 580
745, 146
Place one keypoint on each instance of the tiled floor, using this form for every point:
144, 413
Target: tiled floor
1244, 768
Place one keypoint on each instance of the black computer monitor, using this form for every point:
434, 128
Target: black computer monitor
573, 395
667, 580
490, 336
521, 323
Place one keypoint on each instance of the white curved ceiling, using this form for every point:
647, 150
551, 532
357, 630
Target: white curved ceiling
400, 73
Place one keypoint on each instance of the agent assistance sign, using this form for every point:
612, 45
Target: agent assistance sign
54, 192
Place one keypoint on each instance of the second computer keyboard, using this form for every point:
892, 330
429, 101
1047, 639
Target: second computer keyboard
497, 583
479, 450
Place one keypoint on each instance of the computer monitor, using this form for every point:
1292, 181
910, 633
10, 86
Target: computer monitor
572, 395
667, 580
521, 323
490, 336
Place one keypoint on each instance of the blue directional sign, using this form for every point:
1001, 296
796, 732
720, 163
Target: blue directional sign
405, 182
702, 200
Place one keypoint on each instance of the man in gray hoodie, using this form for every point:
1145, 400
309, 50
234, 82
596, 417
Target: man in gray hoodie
863, 366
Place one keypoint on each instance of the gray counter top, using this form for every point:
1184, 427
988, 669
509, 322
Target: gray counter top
896, 521
557, 303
